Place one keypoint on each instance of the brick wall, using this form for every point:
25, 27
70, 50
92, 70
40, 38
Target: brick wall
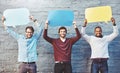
81, 49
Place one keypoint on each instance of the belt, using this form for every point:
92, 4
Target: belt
62, 62
28, 62
99, 59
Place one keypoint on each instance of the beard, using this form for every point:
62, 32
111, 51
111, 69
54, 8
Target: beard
100, 36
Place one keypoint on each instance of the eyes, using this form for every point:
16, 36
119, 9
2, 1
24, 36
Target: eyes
62, 31
98, 30
29, 32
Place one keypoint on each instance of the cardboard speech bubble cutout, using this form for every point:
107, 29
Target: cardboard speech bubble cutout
98, 14
60, 17
14, 17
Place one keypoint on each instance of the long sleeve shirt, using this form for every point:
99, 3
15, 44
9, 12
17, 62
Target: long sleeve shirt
62, 50
99, 46
26, 47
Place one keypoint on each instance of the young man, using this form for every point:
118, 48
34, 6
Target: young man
99, 47
27, 44
62, 48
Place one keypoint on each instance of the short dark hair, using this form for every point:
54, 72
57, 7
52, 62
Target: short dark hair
29, 27
98, 27
62, 28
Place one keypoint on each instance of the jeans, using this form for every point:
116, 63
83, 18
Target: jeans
99, 66
62, 68
27, 68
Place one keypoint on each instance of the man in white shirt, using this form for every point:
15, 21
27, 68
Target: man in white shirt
99, 47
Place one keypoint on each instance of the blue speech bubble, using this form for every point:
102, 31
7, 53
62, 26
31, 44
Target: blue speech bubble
18, 16
60, 17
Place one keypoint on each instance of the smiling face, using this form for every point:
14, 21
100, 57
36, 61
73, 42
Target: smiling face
98, 32
62, 32
29, 31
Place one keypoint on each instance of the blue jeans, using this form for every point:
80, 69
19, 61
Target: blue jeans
99, 66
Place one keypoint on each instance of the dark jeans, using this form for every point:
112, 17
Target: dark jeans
99, 66
62, 68
27, 68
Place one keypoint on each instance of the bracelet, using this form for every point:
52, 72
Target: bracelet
34, 20
84, 26
114, 24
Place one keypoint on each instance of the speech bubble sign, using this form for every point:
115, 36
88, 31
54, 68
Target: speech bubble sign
14, 17
60, 17
98, 14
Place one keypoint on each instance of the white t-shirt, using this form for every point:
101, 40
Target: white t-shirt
99, 46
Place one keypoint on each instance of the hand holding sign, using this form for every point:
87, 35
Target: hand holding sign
46, 24
85, 23
60, 17
3, 19
98, 14
15, 17
113, 21
74, 24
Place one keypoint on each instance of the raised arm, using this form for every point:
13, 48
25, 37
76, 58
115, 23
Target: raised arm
11, 32
38, 27
84, 35
115, 31
45, 36
78, 35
